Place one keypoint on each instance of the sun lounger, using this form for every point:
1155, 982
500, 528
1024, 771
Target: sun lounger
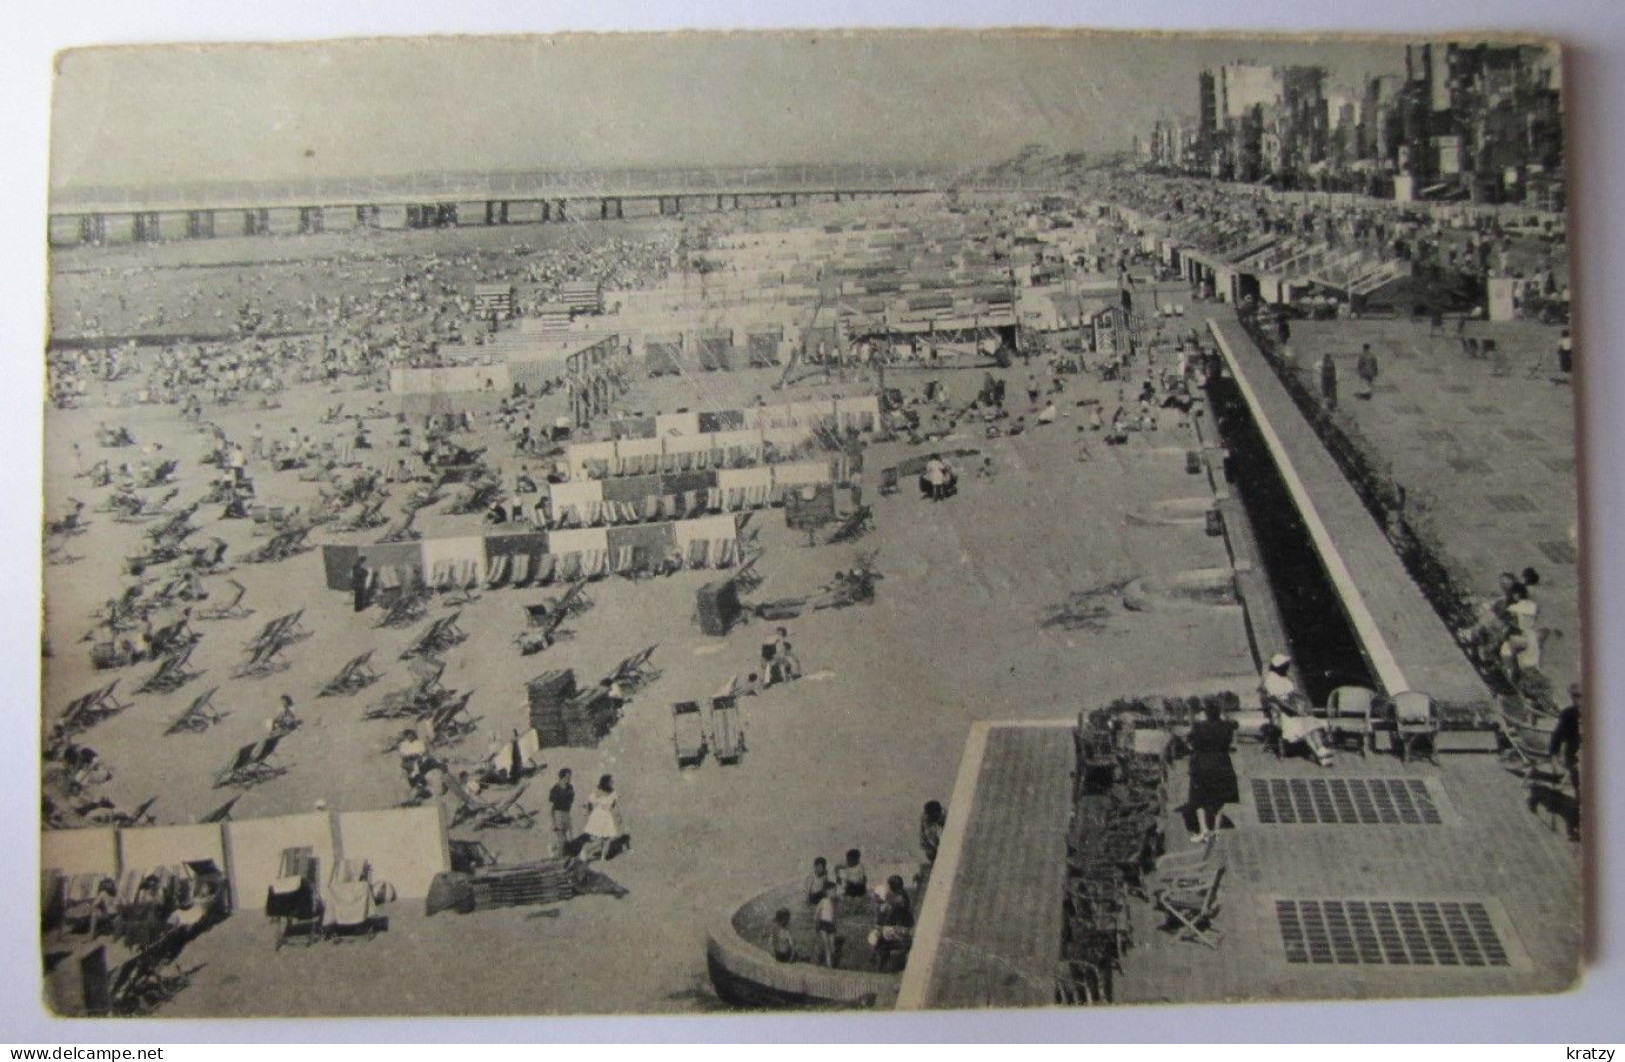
727, 732
688, 734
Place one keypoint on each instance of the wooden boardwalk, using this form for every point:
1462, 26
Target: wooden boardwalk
990, 929
1405, 642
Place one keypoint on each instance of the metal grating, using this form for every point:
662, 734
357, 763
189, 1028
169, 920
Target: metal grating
1512, 503
1436, 933
1344, 802
1560, 552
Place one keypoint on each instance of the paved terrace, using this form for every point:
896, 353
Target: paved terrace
1406, 644
1488, 444
994, 937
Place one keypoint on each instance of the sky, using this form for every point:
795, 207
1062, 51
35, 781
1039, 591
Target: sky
133, 116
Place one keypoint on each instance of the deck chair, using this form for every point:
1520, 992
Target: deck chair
221, 813
638, 670
485, 814
1183, 870
1416, 726
688, 734
251, 765
699, 553
418, 699
727, 732
293, 900
450, 722
264, 658
496, 572
232, 609
173, 673
199, 715
1192, 908
409, 605
347, 902
356, 674
857, 523
1348, 712
1528, 749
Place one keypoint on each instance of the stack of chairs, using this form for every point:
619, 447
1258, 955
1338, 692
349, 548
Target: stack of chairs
1119, 801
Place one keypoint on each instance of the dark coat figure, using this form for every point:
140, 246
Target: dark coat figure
1213, 776
1366, 369
358, 584
1328, 381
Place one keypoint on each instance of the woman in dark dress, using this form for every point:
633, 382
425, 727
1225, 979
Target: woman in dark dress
1213, 777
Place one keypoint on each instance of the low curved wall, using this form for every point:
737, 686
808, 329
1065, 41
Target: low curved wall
746, 975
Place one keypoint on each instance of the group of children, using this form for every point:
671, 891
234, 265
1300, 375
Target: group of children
823, 891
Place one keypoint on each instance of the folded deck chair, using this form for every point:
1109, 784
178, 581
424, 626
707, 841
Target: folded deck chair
699, 553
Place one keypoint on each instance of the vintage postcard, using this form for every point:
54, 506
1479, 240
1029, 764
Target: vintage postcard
663, 524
